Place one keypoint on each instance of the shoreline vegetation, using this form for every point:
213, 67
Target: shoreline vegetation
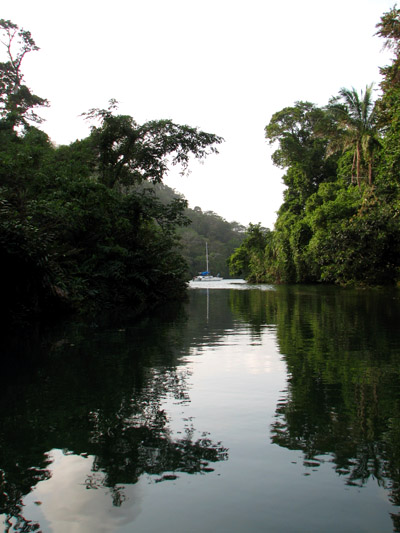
78, 232
339, 221
82, 227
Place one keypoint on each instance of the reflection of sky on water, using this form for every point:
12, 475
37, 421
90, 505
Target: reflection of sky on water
239, 354
230, 383
225, 381
74, 499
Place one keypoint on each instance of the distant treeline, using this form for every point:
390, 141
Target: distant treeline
223, 237
340, 218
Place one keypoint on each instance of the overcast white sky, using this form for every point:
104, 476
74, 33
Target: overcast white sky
224, 66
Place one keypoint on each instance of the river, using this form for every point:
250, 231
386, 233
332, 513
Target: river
246, 409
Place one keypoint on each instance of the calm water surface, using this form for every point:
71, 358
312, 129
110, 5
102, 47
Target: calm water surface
245, 410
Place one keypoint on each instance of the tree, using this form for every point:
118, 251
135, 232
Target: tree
301, 149
249, 259
327, 229
389, 29
76, 231
389, 104
301, 133
17, 102
356, 128
129, 153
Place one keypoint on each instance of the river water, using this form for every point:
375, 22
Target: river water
247, 409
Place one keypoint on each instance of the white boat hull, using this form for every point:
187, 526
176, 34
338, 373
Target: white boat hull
207, 278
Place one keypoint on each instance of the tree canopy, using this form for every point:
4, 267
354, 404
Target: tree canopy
339, 221
17, 102
77, 230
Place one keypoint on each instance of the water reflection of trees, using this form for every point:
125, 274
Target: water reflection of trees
95, 390
343, 360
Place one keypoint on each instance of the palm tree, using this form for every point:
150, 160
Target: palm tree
356, 128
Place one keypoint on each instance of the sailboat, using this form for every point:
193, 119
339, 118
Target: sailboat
206, 276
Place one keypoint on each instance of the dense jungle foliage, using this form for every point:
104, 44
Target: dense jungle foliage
339, 221
77, 229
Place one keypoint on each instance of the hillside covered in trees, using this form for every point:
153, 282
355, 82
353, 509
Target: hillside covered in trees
223, 238
340, 218
203, 227
77, 229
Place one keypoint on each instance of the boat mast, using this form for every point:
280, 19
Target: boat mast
206, 256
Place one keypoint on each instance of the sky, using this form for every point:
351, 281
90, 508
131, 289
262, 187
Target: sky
224, 66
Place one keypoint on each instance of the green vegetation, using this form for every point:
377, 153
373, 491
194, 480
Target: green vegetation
77, 229
204, 226
223, 238
339, 221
